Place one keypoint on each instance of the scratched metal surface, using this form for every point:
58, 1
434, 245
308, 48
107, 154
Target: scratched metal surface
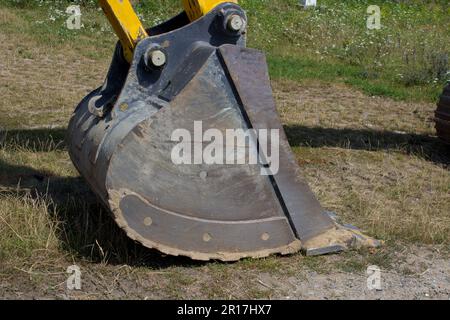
119, 140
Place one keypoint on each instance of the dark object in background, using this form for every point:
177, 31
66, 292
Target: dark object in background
443, 115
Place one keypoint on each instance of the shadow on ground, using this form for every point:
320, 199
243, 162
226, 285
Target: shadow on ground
33, 140
87, 229
423, 146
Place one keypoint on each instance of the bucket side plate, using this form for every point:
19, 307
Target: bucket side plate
215, 211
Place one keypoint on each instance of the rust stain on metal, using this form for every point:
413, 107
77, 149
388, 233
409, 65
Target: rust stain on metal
123, 107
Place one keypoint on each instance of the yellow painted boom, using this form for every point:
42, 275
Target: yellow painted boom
198, 8
126, 24
128, 27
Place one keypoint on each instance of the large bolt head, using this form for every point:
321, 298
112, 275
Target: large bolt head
155, 58
236, 23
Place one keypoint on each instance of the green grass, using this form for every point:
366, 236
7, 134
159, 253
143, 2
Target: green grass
408, 59
304, 69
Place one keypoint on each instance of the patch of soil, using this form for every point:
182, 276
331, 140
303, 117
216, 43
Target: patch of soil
419, 272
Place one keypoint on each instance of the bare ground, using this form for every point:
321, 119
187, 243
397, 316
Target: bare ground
418, 272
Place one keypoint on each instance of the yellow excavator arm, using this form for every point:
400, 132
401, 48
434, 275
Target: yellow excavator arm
198, 8
126, 24
128, 27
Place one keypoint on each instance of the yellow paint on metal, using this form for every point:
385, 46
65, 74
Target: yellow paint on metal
125, 23
198, 8
129, 28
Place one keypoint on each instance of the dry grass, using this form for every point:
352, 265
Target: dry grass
392, 196
336, 106
374, 161
27, 228
40, 84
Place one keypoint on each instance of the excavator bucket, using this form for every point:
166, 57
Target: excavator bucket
143, 143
